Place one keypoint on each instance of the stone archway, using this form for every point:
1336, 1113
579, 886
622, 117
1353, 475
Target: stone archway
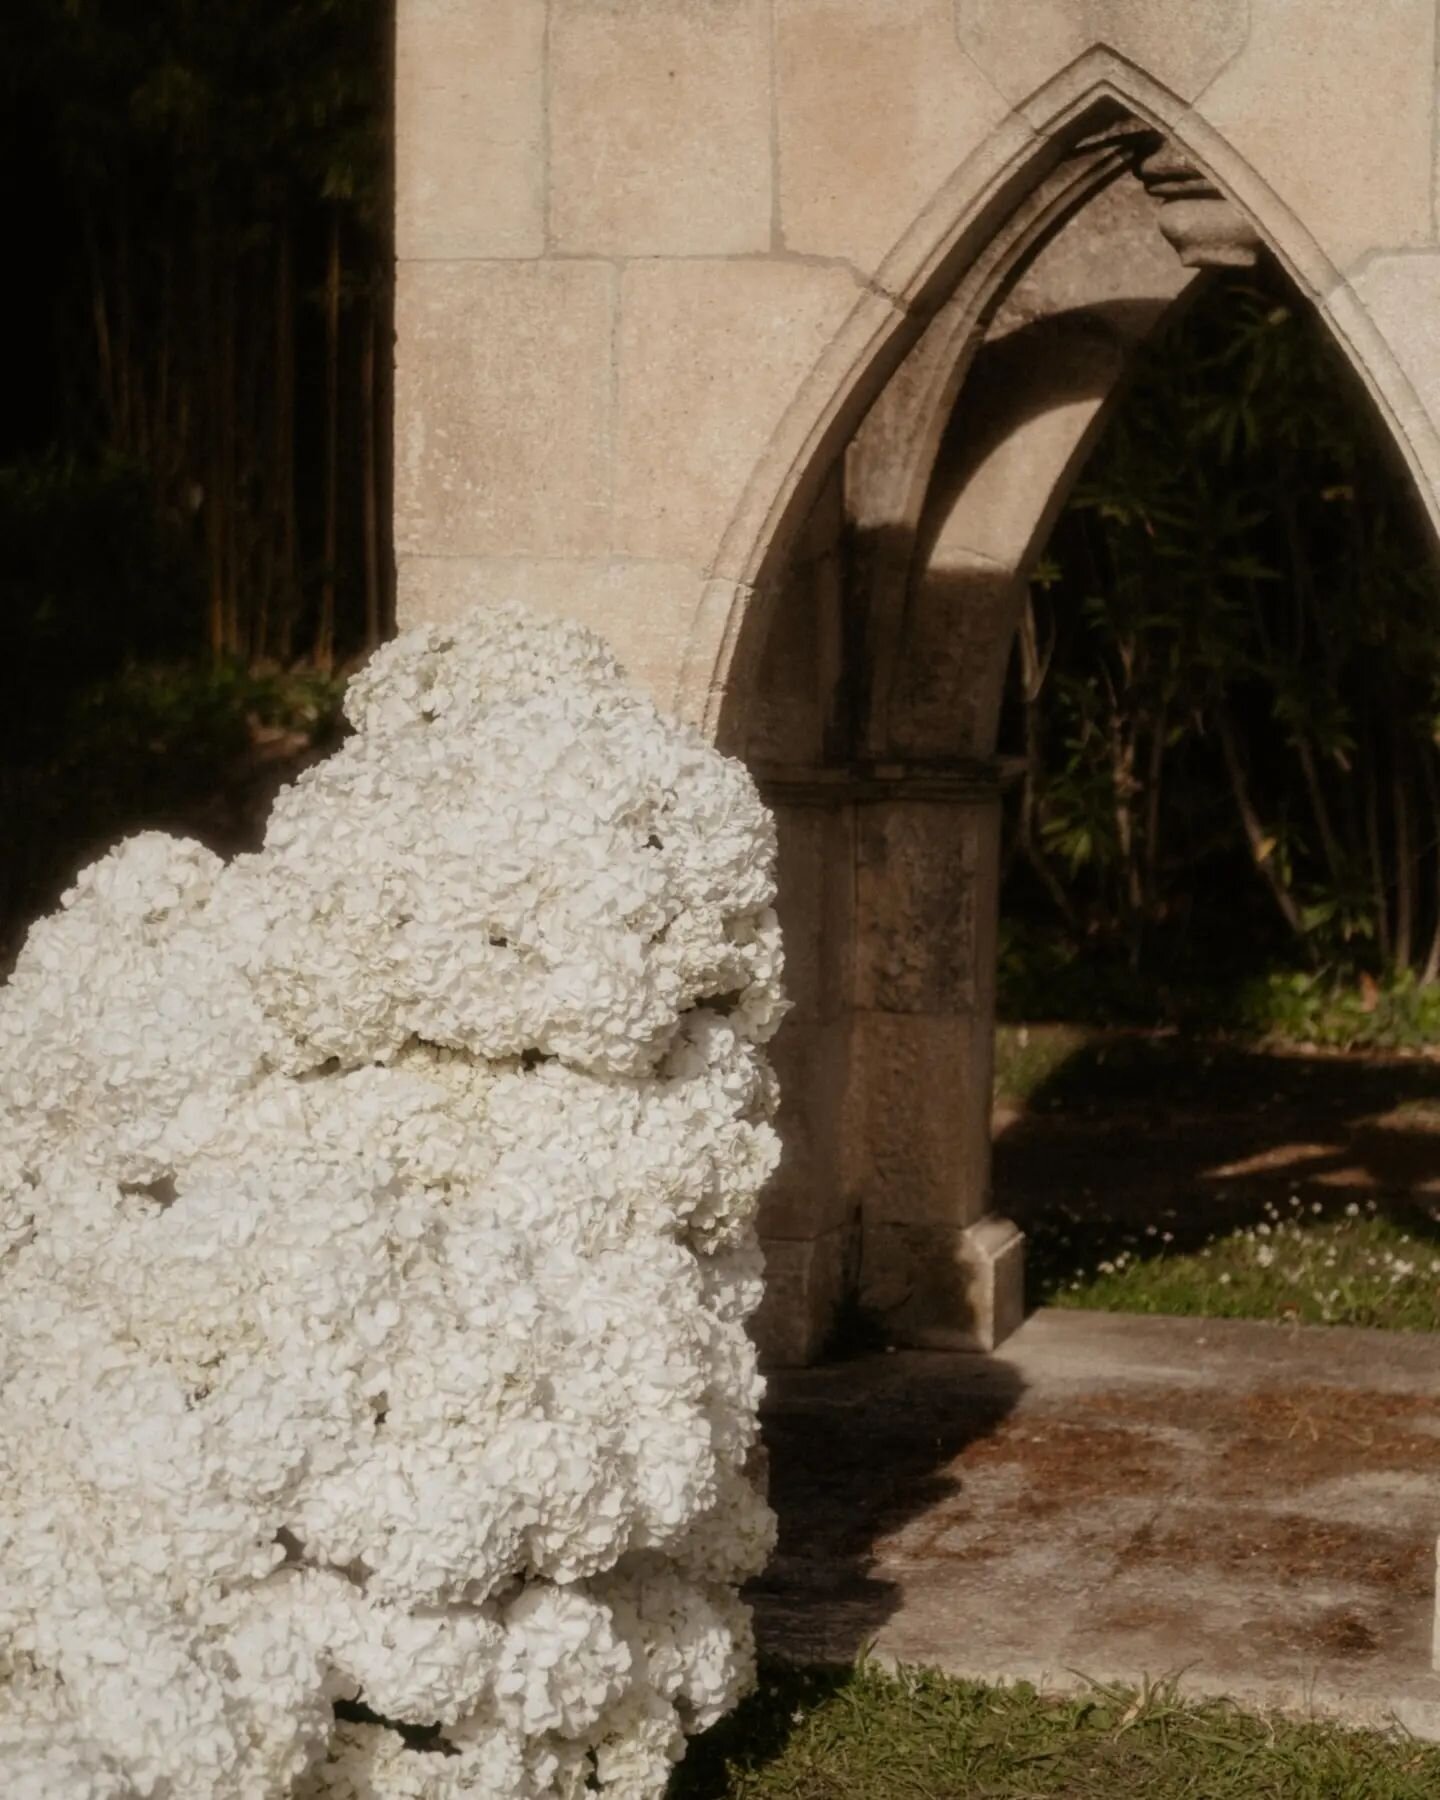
869, 707
685, 298
684, 308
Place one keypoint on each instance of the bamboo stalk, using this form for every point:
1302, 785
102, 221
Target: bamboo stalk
289, 578
325, 632
229, 452
1256, 837
1404, 858
214, 499
163, 429
124, 394
1379, 897
369, 478
1154, 788
1034, 667
100, 319
1430, 972
1320, 811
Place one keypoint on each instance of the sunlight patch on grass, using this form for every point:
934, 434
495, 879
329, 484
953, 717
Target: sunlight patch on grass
1299, 1262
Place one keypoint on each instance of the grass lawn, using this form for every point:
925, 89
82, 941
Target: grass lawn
1157, 1174
860, 1735
1354, 1268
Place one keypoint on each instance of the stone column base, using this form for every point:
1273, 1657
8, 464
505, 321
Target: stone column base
939, 1288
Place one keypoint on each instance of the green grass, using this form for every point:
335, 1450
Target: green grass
1171, 1236
1354, 1268
1028, 1057
861, 1735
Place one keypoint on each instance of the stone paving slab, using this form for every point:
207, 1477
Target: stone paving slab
1251, 1508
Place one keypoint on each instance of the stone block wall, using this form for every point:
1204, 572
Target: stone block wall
764, 336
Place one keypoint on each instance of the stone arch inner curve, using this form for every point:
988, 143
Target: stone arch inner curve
864, 689
954, 257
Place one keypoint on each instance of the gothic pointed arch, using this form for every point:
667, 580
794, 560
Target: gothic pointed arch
867, 595
947, 270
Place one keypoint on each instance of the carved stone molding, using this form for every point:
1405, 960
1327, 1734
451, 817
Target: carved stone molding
1205, 229
967, 780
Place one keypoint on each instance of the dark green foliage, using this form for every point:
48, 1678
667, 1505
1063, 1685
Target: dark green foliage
208, 188
90, 576
191, 748
1399, 1012
194, 452
1228, 681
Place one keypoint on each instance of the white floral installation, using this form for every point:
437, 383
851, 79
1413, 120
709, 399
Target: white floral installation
376, 1246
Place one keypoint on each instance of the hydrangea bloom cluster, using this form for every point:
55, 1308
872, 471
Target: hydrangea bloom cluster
376, 1245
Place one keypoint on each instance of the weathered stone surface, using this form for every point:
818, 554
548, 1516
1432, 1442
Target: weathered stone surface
1119, 263
1183, 43
660, 127
643, 609
936, 1288
711, 355
919, 1150
816, 904
1389, 316
1332, 104
924, 900
792, 693
791, 702
804, 1281
1112, 1498
949, 679
877, 107
807, 1195
1401, 296
503, 408
710, 193
992, 1252
469, 129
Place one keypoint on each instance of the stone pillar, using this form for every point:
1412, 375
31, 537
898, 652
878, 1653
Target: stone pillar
937, 1268
888, 885
808, 1215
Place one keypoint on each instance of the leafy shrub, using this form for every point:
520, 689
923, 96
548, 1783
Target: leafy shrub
90, 577
1340, 1013
1226, 680
171, 746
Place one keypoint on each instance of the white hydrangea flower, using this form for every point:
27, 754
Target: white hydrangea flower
376, 1246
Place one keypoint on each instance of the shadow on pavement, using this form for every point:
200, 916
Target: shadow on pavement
859, 1450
